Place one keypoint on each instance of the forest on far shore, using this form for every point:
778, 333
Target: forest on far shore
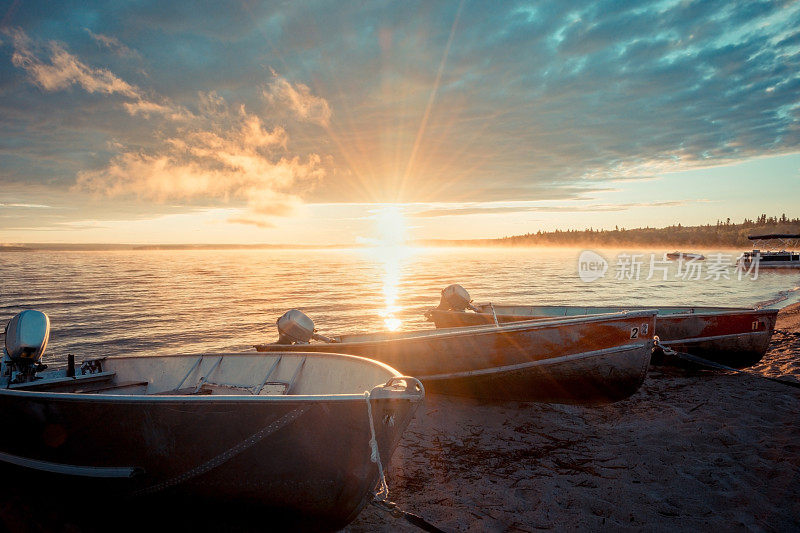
725, 234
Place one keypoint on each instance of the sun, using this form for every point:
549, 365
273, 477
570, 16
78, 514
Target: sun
390, 226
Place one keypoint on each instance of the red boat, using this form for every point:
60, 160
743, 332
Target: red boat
737, 337
574, 360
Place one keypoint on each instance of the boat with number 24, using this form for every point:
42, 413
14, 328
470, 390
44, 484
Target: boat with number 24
573, 360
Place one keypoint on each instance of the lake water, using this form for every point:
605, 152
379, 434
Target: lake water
149, 302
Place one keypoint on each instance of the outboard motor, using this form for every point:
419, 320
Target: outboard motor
455, 298
26, 339
294, 327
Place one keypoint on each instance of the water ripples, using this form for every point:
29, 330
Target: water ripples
147, 302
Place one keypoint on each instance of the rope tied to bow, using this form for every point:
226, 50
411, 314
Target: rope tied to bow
719, 366
375, 455
381, 497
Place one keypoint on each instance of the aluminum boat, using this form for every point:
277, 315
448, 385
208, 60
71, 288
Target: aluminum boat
732, 336
575, 360
286, 434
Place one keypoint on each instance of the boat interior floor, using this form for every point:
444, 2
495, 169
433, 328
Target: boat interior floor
106, 383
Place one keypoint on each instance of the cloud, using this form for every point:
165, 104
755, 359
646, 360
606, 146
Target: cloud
147, 108
498, 210
225, 153
299, 100
259, 223
64, 69
549, 101
24, 206
220, 152
112, 43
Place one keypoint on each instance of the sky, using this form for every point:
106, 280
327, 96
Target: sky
327, 122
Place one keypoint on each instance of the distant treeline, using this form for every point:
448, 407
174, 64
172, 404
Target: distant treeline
725, 234
722, 234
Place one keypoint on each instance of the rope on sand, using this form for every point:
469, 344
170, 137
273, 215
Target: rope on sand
719, 366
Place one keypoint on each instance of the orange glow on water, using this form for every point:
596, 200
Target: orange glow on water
390, 251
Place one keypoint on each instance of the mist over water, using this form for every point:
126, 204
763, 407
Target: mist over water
161, 302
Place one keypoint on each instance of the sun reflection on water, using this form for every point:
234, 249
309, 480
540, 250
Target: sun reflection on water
390, 251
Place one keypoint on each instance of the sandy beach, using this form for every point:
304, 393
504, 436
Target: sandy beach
709, 450
704, 450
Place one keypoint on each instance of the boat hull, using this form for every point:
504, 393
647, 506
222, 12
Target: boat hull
606, 375
580, 360
297, 461
734, 337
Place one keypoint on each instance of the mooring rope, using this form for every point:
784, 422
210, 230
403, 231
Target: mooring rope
375, 455
713, 364
381, 497
494, 315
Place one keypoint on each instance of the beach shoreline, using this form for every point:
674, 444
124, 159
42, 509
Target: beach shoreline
707, 449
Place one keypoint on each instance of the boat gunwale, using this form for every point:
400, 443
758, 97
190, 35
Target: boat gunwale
227, 398
208, 398
706, 311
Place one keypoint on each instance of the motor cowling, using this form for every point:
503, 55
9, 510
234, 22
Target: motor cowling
26, 337
295, 327
455, 298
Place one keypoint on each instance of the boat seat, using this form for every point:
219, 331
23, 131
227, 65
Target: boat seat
62, 382
186, 391
103, 387
272, 388
267, 388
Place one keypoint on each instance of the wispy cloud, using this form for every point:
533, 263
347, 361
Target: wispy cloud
147, 108
63, 69
24, 206
506, 209
298, 98
112, 43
